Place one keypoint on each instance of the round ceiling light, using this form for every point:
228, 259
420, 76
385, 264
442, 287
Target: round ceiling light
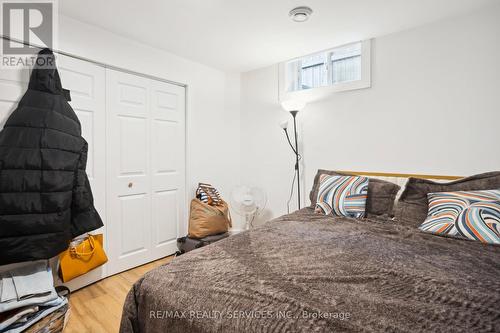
300, 14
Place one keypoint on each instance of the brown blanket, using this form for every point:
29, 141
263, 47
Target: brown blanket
305, 272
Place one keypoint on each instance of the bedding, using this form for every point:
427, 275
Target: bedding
381, 194
342, 196
411, 208
307, 272
474, 215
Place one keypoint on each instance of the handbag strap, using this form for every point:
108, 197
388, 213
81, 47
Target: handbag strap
82, 254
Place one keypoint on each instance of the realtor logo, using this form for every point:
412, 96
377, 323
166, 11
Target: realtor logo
26, 26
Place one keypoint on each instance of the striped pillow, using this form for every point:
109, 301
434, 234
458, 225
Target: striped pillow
467, 214
342, 195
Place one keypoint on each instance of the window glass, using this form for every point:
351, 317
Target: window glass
342, 64
346, 63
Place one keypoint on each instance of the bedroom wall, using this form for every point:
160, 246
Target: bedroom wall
213, 98
433, 108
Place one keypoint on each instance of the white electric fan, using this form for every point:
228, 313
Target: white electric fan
248, 202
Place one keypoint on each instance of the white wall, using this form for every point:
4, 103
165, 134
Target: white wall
434, 107
212, 106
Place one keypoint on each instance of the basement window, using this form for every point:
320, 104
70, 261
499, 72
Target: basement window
346, 67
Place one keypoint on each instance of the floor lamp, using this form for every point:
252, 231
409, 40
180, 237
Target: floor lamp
294, 107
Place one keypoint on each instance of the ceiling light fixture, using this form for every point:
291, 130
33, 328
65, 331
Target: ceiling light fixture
300, 14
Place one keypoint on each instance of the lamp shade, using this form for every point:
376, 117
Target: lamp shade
293, 105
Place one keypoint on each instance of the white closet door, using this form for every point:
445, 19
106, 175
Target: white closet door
86, 82
129, 180
168, 165
145, 143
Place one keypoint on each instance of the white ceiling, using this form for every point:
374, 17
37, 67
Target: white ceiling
241, 35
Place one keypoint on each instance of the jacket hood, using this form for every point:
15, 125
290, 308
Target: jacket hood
45, 77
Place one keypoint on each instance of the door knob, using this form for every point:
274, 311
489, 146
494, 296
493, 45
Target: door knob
130, 184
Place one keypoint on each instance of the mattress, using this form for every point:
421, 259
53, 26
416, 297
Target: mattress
306, 272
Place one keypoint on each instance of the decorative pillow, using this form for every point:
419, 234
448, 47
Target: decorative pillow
381, 194
342, 195
470, 214
412, 206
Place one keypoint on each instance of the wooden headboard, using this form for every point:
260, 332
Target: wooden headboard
400, 175
400, 178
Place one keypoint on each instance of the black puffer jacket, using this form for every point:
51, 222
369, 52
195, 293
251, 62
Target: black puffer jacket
45, 196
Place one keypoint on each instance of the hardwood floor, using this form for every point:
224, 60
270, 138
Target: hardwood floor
98, 307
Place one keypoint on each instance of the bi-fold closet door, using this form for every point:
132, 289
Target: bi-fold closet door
135, 128
145, 171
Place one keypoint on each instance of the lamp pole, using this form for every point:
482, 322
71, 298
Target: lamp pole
294, 106
297, 168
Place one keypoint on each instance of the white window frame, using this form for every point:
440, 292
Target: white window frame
316, 93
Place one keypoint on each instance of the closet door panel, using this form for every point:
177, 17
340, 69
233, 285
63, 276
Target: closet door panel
133, 208
168, 164
165, 218
129, 181
133, 134
86, 82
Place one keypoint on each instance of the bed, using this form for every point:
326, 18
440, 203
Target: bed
306, 272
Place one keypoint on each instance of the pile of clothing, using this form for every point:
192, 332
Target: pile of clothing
28, 296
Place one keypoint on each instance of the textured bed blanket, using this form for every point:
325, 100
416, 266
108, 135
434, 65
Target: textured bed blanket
305, 272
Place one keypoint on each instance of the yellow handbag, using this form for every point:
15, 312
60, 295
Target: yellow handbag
81, 258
